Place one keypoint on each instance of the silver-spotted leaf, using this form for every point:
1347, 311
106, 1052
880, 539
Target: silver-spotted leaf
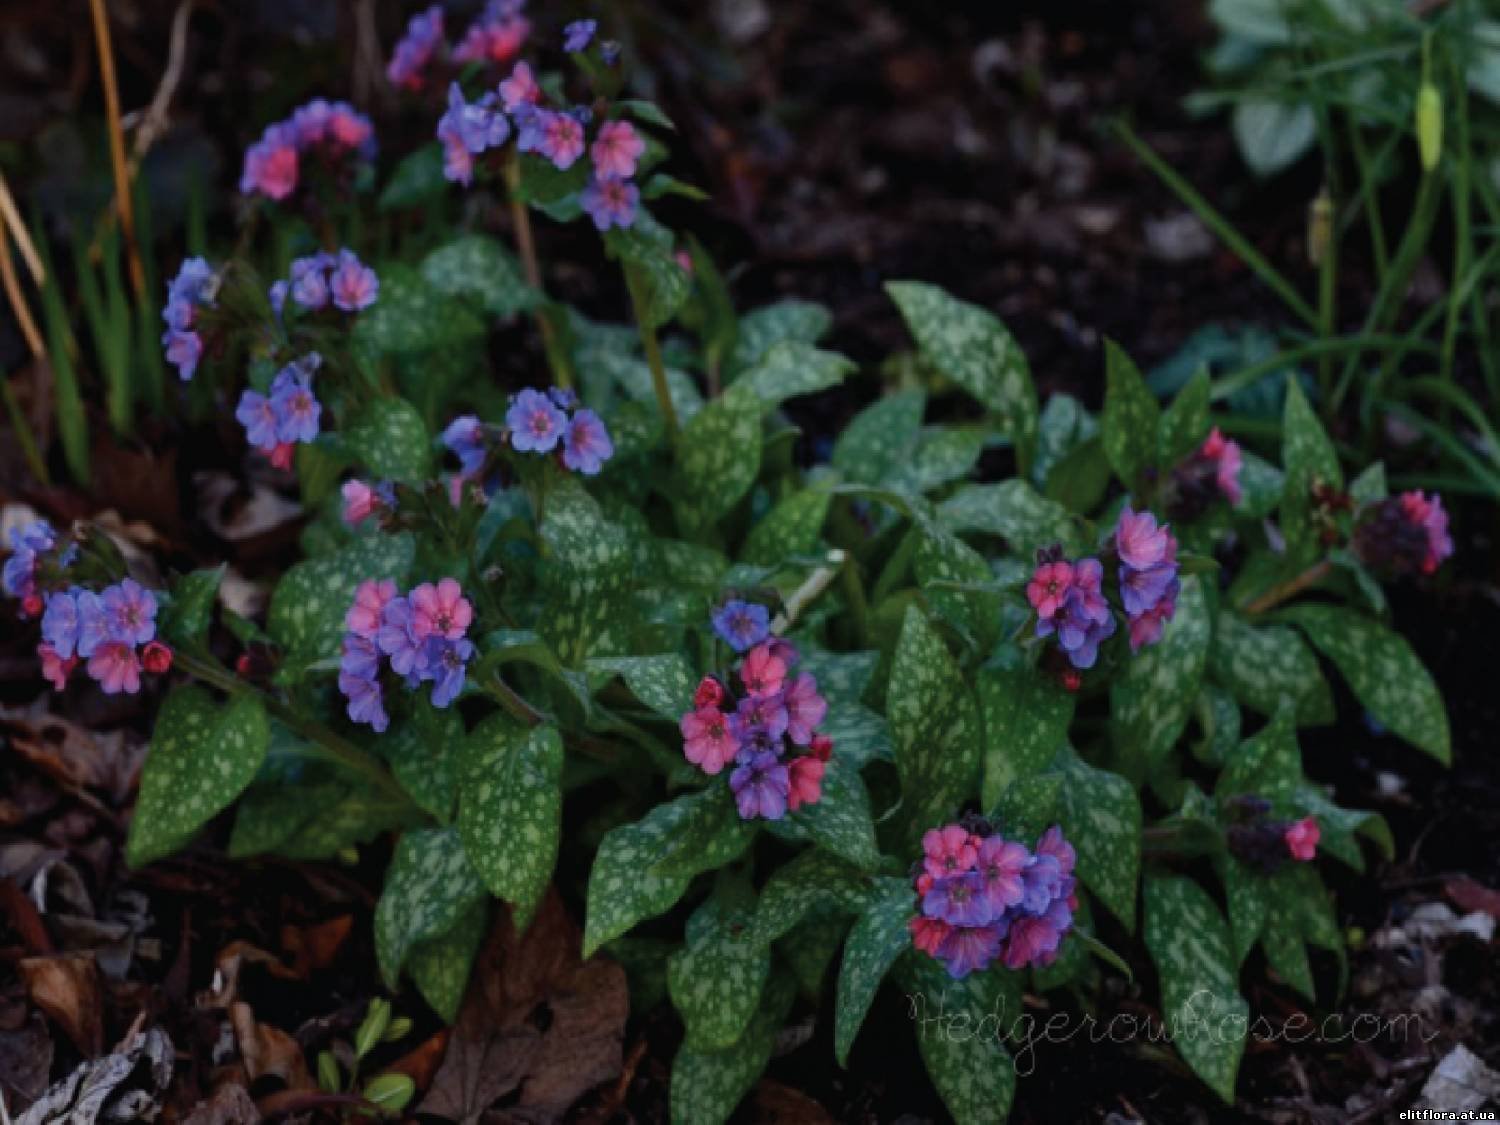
1026, 717
879, 936
429, 887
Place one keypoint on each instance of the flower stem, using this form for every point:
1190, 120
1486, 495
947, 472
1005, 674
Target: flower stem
1287, 590
805, 594
520, 217
636, 285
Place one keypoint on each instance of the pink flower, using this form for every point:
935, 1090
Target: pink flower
928, 933
1001, 862
1052, 843
821, 747
708, 741
347, 128
806, 776
805, 709
1428, 514
370, 599
520, 88
55, 670
360, 501
949, 851
1140, 542
440, 610
1146, 628
353, 284
1049, 587
562, 140
156, 658
116, 668
1302, 839
763, 673
281, 455
616, 150
271, 164
1227, 458
709, 693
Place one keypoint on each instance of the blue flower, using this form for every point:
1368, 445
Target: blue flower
742, 625
446, 662
536, 425
579, 34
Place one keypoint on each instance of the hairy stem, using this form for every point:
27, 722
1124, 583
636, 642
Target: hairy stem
520, 217
636, 285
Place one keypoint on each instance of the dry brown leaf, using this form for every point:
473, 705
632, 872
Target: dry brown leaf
67, 989
315, 947
536, 1020
1470, 896
268, 1050
775, 1104
230, 1104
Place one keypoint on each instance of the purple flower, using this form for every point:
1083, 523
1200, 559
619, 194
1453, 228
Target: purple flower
193, 288
398, 640
271, 163
762, 713
130, 613
968, 949
610, 202
519, 89
959, 900
60, 624
1033, 939
258, 416
561, 138
353, 284
464, 437
1140, 542
742, 625
277, 295
1085, 596
296, 408
536, 426
1042, 880
760, 785
1141, 589
309, 280
805, 709
1080, 638
93, 622
366, 703
424, 35
1002, 864
194, 285
359, 657
446, 662
578, 35
183, 351
586, 444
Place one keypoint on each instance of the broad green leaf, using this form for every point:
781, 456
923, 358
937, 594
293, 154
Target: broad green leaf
970, 346
1100, 815
510, 809
1131, 418
840, 821
859, 735
1026, 717
1079, 481
1246, 893
793, 527
1309, 459
1272, 136
935, 724
391, 441
310, 602
1383, 671
312, 818
1151, 702
712, 826
1370, 486
940, 456
659, 284
707, 1085
1184, 424
478, 266
961, 1027
718, 455
203, 754
1064, 426
429, 887
814, 881
544, 184
1189, 942
943, 559
1268, 765
1261, 487
440, 966
421, 752
1012, 510
875, 442
185, 619
1266, 666
717, 978
411, 316
841, 676
587, 579
663, 683
877, 939
417, 179
790, 369
806, 322
810, 949
1218, 717
1030, 805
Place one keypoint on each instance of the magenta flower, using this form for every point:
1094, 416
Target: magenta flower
1033, 939
116, 668
1001, 865
360, 502
561, 138
761, 787
1302, 839
615, 150
1140, 542
55, 668
949, 851
1086, 596
440, 610
536, 425
1227, 459
805, 782
928, 934
805, 709
762, 672
496, 36
761, 717
520, 88
1427, 513
1052, 843
130, 613
370, 599
586, 443
708, 740
610, 202
271, 163
1049, 586
353, 284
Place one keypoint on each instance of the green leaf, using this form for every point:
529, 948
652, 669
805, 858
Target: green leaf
313, 817
440, 966
707, 1085
877, 939
1131, 418
790, 369
510, 809
1184, 424
793, 527
940, 456
1382, 670
659, 284
1266, 666
935, 725
309, 604
1079, 481
1272, 136
391, 441
943, 559
1370, 486
412, 316
663, 683
417, 179
421, 752
1100, 815
876, 440
789, 319
840, 821
390, 1092
1261, 487
970, 346
718, 455
203, 754
587, 577
1245, 893
712, 826
859, 735
1012, 510
716, 980
812, 882
478, 266
1026, 717
841, 676
1189, 942
661, 184
543, 183
185, 619
648, 112
1308, 457
1151, 702
429, 887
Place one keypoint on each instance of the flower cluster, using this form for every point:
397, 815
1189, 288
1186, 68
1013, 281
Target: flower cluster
1404, 534
1209, 473
114, 630
536, 422
422, 635
274, 423
30, 547
984, 898
330, 132
767, 726
1148, 575
496, 36
416, 49
194, 288
321, 279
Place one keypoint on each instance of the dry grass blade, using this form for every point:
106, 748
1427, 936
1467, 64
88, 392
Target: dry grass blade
117, 144
10, 216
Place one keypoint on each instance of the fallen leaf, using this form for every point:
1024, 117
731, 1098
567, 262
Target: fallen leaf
1461, 1083
775, 1104
1470, 896
125, 1085
67, 989
315, 947
536, 1020
267, 1050
26, 1059
421, 1063
230, 1104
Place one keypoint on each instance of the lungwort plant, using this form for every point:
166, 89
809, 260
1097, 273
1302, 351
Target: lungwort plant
774, 728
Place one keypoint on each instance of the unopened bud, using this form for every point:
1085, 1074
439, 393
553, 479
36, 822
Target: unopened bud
1429, 125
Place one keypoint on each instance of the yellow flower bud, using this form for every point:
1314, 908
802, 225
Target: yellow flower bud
1429, 125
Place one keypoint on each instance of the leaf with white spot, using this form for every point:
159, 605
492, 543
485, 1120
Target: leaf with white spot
203, 754
935, 725
1264, 666
707, 1085
586, 578
876, 440
478, 266
1026, 717
711, 827
1184, 424
716, 980
793, 527
877, 939
664, 683
1383, 671
718, 456
941, 455
812, 882
310, 602
1100, 815
1309, 459
969, 345
411, 316
429, 887
440, 966
186, 616
760, 329
1012, 510
1189, 942
1151, 702
1131, 417
510, 808
390, 439
421, 752
791, 369
859, 735
943, 561
1245, 893
840, 821
645, 249
840, 675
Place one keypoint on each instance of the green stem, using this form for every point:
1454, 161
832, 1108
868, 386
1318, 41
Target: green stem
1247, 376
23, 432
636, 285
1367, 194
562, 371
1463, 239
1327, 290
